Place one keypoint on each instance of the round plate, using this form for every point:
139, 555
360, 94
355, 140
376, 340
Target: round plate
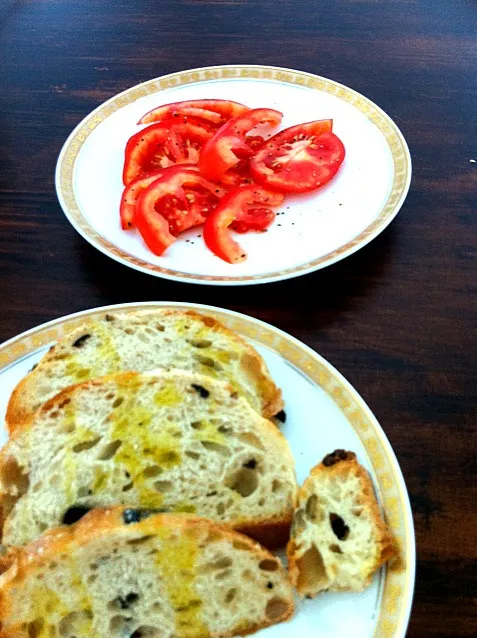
324, 412
312, 231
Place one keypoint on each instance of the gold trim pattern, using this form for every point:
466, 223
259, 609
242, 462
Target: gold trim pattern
395, 140
399, 577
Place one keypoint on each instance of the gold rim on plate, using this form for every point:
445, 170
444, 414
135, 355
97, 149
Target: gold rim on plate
395, 140
398, 585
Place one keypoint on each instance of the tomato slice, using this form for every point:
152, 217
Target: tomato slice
172, 204
229, 145
162, 145
299, 159
215, 112
238, 208
132, 192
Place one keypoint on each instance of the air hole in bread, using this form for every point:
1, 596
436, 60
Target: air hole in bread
152, 471
200, 343
357, 511
208, 361
163, 486
197, 425
128, 487
244, 482
216, 565
299, 522
119, 626
230, 595
159, 327
240, 545
36, 629
110, 396
117, 402
339, 527
129, 331
224, 429
192, 455
336, 549
84, 491
70, 625
250, 439
311, 507
261, 502
311, 571
124, 602
140, 540
91, 578
63, 428
108, 451
223, 575
86, 445
276, 486
268, 565
74, 513
276, 608
146, 631
221, 509
216, 447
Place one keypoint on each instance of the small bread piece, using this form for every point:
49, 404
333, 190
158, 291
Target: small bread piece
174, 440
119, 573
142, 341
338, 537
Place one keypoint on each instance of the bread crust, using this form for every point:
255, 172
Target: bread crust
19, 563
18, 409
337, 464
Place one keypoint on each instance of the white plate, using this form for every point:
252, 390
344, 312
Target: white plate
324, 412
314, 231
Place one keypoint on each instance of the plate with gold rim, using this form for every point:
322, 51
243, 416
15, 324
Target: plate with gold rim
324, 412
312, 231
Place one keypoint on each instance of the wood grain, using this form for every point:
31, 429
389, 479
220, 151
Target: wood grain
398, 318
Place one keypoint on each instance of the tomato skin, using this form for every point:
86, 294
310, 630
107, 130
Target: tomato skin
229, 145
299, 159
215, 112
233, 210
133, 190
162, 145
156, 229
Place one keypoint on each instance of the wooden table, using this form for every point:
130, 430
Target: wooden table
397, 318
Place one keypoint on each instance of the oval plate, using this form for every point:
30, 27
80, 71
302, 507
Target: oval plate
324, 412
312, 231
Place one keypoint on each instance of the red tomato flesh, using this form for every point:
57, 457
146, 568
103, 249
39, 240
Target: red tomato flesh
229, 144
132, 192
162, 145
215, 112
299, 159
172, 204
239, 209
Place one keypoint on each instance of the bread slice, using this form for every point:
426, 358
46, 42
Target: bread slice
123, 573
175, 440
338, 537
141, 341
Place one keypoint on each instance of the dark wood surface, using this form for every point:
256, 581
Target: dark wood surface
397, 319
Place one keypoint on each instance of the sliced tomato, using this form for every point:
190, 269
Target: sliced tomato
133, 191
172, 204
239, 209
299, 159
162, 145
215, 112
229, 145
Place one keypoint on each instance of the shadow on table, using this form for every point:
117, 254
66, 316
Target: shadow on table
328, 292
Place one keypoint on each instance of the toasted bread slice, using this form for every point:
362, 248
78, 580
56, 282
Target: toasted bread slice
338, 537
127, 573
141, 341
175, 440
